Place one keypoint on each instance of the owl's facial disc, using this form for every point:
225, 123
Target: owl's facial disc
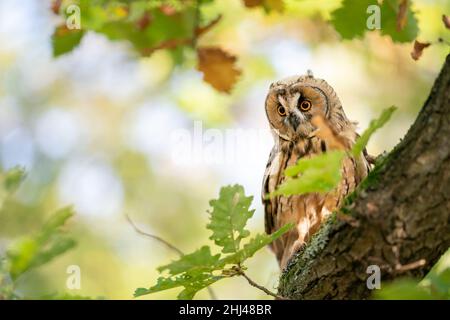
298, 124
293, 121
291, 107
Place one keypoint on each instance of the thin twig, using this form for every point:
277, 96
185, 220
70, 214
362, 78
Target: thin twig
254, 284
410, 266
167, 244
154, 237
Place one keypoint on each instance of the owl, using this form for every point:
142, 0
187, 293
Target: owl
291, 107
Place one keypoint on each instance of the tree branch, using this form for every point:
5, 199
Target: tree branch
400, 215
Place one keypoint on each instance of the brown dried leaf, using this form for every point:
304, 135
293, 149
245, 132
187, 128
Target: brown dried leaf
418, 49
402, 16
56, 5
446, 21
218, 67
253, 3
269, 5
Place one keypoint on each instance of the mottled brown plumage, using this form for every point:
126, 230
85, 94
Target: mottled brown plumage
303, 112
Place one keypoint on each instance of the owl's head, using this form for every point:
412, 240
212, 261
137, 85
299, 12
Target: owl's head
292, 102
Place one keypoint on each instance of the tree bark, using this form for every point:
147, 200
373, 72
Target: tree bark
398, 218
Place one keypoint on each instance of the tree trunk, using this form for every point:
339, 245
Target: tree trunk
398, 219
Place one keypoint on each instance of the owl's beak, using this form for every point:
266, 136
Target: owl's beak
293, 121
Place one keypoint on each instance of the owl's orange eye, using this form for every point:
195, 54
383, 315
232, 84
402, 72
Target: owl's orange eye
281, 111
305, 105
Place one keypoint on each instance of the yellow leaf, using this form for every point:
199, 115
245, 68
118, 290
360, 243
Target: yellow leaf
218, 67
275, 5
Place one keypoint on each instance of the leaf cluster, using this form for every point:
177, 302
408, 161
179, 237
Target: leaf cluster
31, 251
195, 271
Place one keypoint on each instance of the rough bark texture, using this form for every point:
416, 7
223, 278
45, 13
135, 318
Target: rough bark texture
399, 215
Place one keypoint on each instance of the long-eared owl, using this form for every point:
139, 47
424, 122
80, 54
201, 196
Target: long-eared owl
291, 105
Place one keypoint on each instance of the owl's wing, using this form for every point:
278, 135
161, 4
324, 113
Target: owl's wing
269, 215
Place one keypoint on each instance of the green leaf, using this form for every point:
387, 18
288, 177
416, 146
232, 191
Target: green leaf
254, 245
374, 125
228, 218
192, 271
138, 9
33, 251
13, 178
161, 285
438, 279
320, 173
435, 285
65, 40
196, 284
57, 220
142, 23
351, 18
199, 261
9, 182
191, 283
57, 247
402, 290
68, 296
389, 11
143, 291
187, 294
200, 269
6, 283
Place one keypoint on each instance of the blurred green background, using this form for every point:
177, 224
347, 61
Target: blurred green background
95, 128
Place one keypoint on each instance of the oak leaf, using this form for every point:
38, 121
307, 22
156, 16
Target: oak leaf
418, 49
218, 68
